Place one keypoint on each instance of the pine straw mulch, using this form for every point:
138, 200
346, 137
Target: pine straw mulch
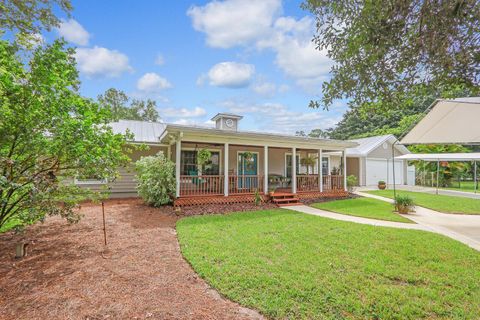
69, 274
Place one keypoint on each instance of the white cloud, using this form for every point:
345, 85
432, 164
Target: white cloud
98, 61
183, 112
190, 122
256, 24
152, 83
229, 75
276, 117
234, 22
159, 60
73, 32
266, 89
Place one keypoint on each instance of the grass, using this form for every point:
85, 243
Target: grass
467, 186
293, 265
363, 207
442, 203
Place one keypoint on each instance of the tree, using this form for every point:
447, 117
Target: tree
381, 49
49, 134
29, 17
117, 102
315, 133
365, 120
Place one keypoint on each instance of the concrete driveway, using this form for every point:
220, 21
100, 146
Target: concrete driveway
462, 227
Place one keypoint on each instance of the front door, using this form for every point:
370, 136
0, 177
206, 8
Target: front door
247, 167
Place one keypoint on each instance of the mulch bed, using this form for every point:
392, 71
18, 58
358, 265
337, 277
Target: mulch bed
141, 274
316, 200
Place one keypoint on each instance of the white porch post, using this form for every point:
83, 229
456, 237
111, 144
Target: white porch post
345, 170
294, 170
178, 152
265, 169
225, 170
320, 171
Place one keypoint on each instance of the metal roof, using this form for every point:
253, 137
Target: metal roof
367, 145
143, 131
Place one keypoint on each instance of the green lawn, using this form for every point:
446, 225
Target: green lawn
466, 186
442, 203
363, 207
292, 265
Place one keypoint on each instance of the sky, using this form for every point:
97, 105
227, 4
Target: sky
197, 58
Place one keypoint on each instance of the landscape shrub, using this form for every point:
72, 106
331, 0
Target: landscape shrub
352, 181
156, 179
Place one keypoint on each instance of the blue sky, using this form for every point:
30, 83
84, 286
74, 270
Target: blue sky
197, 58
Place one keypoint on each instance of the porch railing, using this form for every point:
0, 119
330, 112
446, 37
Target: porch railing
204, 185
213, 185
332, 182
311, 183
308, 183
245, 184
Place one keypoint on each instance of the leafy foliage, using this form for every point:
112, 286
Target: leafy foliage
29, 17
117, 101
48, 135
404, 203
352, 181
156, 179
381, 49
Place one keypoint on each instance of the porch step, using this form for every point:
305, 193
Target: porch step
285, 199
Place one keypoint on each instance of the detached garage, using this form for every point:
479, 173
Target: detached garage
371, 161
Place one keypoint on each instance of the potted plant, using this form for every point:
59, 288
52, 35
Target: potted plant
382, 185
308, 162
404, 204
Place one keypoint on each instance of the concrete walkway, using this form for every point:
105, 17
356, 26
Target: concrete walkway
461, 227
430, 190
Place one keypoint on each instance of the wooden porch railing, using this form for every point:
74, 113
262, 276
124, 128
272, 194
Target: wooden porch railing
244, 184
332, 183
307, 183
201, 185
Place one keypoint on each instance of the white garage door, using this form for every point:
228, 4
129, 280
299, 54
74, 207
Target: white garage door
381, 169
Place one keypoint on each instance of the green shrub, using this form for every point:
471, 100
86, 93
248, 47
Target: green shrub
381, 182
352, 181
404, 203
156, 179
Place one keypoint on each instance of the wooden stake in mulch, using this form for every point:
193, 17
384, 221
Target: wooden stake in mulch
104, 227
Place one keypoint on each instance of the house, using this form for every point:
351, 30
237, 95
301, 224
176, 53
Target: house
241, 164
371, 161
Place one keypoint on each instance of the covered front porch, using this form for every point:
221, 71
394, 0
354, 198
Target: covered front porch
238, 172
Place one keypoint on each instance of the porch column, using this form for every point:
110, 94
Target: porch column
169, 152
265, 169
294, 170
320, 171
344, 170
225, 170
178, 153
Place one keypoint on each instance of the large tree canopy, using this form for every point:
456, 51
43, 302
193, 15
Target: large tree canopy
49, 134
381, 49
118, 103
29, 17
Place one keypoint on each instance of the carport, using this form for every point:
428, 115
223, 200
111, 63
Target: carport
440, 157
447, 122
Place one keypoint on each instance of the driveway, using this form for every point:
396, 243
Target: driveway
69, 274
462, 227
455, 193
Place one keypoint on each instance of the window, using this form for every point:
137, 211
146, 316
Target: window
188, 163
325, 165
288, 165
